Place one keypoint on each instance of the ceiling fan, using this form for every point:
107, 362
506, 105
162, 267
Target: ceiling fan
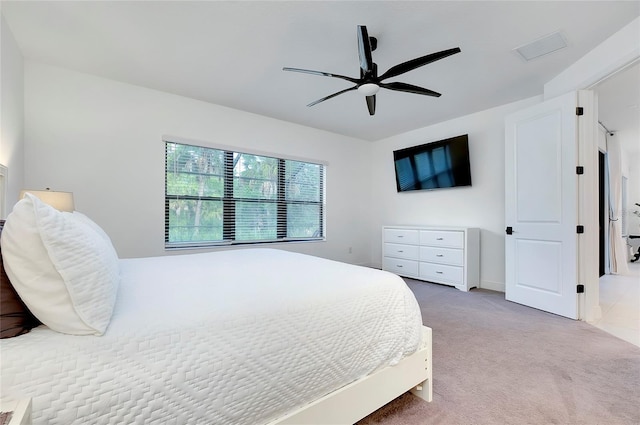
369, 82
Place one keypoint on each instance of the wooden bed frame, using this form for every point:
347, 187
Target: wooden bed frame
353, 402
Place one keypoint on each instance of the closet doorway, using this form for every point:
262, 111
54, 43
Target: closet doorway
602, 213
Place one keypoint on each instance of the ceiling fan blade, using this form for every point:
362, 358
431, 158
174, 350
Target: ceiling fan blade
364, 49
324, 74
332, 95
409, 88
417, 63
371, 104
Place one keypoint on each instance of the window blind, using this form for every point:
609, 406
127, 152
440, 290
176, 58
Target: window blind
215, 196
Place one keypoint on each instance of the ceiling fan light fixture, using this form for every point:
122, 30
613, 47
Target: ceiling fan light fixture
368, 89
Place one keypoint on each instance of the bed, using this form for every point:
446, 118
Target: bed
247, 336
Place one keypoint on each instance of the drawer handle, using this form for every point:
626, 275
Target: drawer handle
439, 239
401, 236
399, 265
438, 272
400, 250
439, 255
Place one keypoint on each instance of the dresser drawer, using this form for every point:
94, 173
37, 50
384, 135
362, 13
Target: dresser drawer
433, 254
441, 273
446, 238
402, 236
411, 252
400, 266
446, 255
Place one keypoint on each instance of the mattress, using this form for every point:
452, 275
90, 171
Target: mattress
232, 337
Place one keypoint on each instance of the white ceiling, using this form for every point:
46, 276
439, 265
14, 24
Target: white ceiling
619, 106
232, 53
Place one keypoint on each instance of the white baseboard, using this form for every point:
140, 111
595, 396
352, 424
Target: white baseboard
492, 286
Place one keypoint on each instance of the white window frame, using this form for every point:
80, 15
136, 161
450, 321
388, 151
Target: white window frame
228, 236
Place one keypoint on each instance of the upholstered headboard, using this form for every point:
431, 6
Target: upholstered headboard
15, 317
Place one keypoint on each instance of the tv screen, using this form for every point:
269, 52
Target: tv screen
435, 165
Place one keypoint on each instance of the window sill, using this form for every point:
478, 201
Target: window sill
204, 246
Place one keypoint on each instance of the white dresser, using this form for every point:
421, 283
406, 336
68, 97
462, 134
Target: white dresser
447, 255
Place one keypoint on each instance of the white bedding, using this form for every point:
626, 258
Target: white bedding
233, 337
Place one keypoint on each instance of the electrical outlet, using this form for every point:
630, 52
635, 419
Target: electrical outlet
350, 250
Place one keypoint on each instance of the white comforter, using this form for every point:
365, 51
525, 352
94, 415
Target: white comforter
233, 337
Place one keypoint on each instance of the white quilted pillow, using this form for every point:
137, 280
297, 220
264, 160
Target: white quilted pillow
64, 270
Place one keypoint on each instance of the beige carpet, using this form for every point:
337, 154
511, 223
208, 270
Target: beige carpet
497, 362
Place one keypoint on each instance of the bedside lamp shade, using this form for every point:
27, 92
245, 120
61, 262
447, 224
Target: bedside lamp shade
62, 201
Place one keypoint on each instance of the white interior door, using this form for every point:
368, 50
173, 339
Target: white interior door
541, 206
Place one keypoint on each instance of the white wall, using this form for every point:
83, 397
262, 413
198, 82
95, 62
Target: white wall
624, 160
481, 205
630, 166
11, 114
102, 140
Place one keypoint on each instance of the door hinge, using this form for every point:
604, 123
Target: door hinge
579, 110
579, 169
580, 229
580, 289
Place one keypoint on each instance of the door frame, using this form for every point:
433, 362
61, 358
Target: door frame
588, 215
603, 188
602, 218
614, 54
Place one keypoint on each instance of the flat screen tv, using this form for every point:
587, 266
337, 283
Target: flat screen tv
434, 165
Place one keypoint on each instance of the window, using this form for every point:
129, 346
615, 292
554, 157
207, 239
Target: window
215, 196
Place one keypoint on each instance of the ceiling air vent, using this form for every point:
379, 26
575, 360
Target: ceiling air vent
542, 46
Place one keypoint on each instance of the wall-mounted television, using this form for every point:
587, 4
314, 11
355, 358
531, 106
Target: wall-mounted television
434, 165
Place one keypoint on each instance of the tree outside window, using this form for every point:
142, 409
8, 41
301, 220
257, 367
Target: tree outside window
215, 196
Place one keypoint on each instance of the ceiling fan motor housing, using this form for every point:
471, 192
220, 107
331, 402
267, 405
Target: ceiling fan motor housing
374, 43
